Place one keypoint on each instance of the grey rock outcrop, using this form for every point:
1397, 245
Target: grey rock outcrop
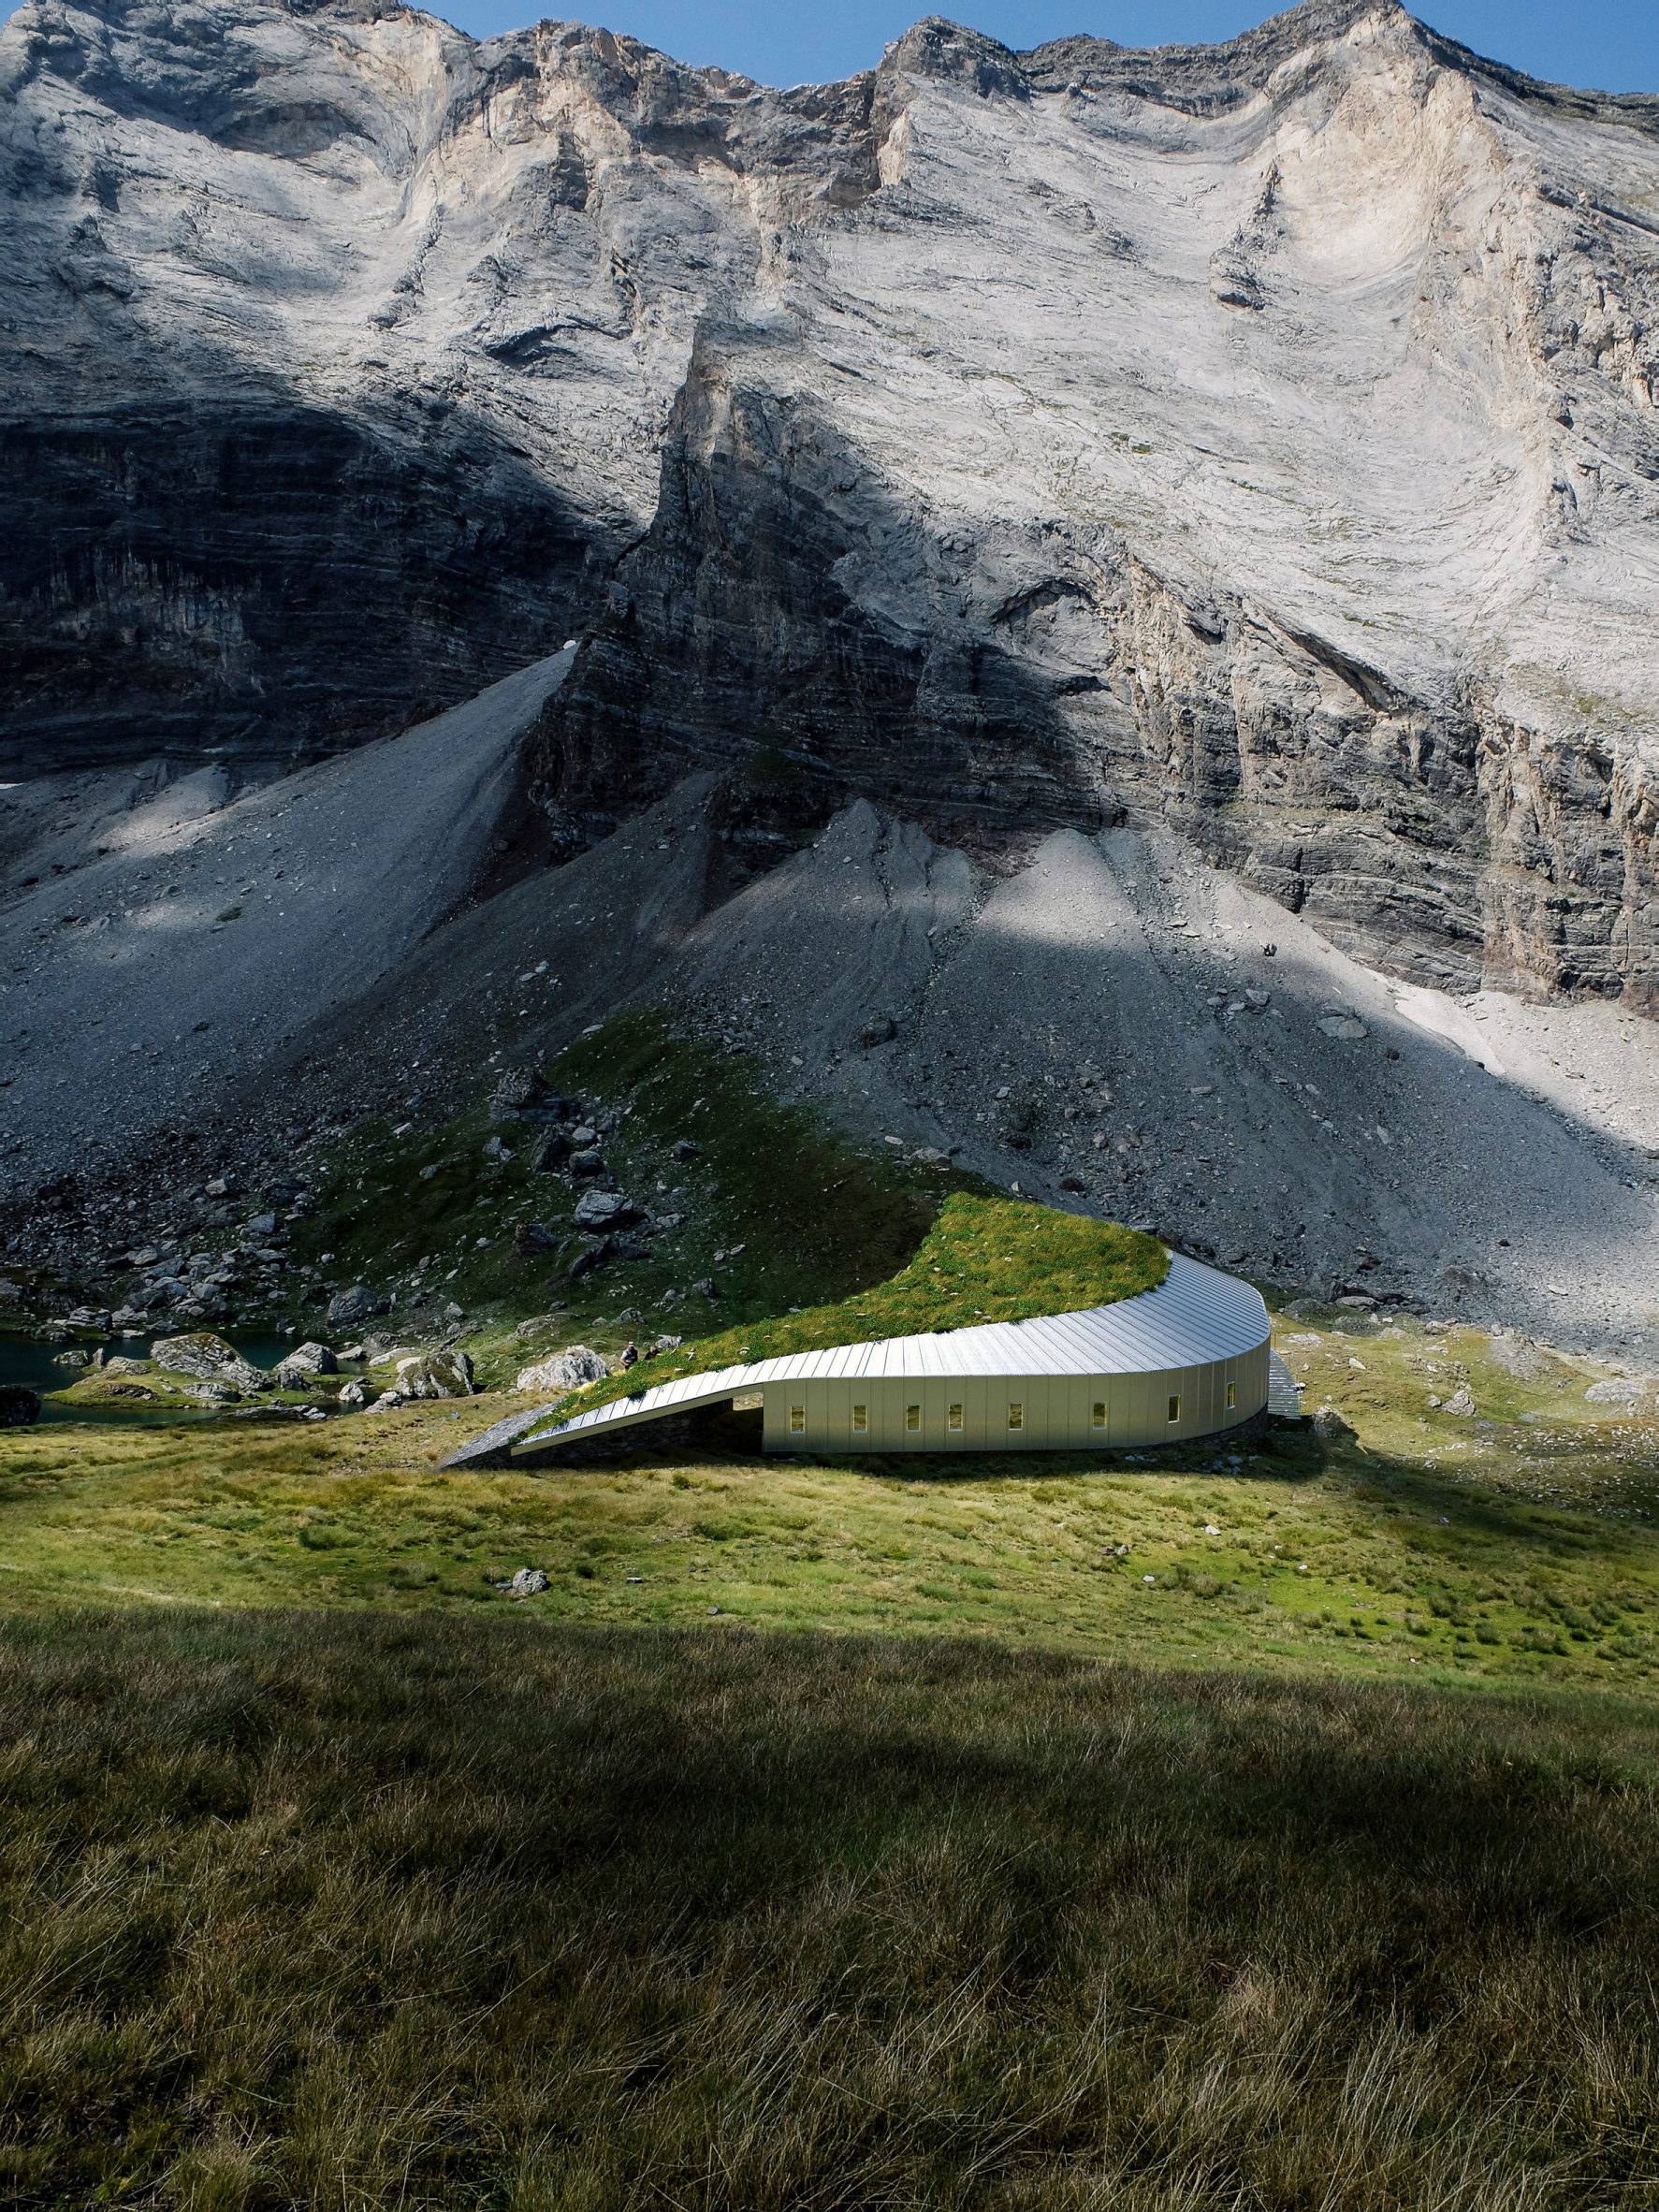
346, 1308
210, 1360
477, 325
434, 1375
598, 1210
565, 1371
298, 1369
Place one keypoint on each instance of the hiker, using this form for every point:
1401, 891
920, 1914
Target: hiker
629, 1354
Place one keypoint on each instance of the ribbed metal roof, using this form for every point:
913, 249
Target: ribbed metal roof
1196, 1314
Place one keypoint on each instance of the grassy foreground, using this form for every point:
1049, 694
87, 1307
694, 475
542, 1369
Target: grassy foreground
363, 1912
1262, 1823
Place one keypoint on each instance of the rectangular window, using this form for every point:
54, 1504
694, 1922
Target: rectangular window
954, 1418
1175, 1405
1016, 1413
912, 1418
1232, 1395
798, 1421
861, 1420
1097, 1416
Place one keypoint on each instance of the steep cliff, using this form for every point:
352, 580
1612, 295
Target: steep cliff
1262, 439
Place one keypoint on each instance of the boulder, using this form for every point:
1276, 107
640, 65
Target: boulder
550, 1149
526, 1582
516, 1089
879, 1029
600, 1210
539, 1324
20, 1407
434, 1375
1330, 1427
583, 1135
352, 1395
587, 1161
568, 1369
1617, 1391
1461, 1403
533, 1238
208, 1358
683, 1149
348, 1307
588, 1258
120, 1364
315, 1358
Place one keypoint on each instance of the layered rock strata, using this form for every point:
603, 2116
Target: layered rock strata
1261, 439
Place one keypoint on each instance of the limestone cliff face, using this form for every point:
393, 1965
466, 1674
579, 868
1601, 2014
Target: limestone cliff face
1264, 437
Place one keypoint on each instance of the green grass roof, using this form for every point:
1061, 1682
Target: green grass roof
983, 1259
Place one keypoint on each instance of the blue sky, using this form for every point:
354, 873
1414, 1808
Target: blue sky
1613, 44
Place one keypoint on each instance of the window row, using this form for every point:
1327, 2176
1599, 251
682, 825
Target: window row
954, 1420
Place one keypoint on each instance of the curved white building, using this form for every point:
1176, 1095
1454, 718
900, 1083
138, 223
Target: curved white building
1186, 1359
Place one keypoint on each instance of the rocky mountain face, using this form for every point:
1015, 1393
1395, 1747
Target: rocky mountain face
1259, 442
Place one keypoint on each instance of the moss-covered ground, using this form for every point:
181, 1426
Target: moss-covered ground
772, 1208
982, 1260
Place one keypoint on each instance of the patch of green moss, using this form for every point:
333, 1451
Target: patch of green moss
982, 1260
776, 1206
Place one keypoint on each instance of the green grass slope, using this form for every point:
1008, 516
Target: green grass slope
774, 1206
1520, 1548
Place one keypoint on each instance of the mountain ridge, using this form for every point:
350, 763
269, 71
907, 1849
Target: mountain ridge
457, 318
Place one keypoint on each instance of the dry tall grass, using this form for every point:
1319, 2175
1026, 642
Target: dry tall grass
347, 1912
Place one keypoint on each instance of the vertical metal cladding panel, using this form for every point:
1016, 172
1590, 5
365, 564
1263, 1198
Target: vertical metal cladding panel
1192, 1422
891, 1400
983, 1390
1079, 1393
996, 1414
1037, 1396
1110, 1388
1251, 1372
1207, 1397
